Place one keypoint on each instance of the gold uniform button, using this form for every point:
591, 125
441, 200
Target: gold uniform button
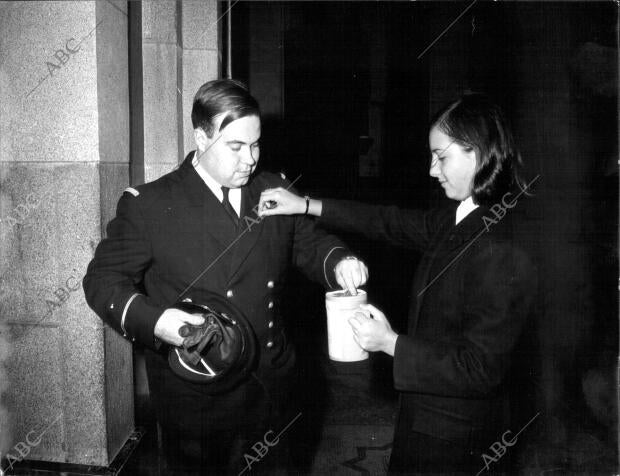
112, 306
270, 325
269, 345
229, 293
270, 284
270, 305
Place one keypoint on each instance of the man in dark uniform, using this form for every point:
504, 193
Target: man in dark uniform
197, 230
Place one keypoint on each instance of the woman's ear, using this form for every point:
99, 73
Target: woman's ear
470, 151
472, 154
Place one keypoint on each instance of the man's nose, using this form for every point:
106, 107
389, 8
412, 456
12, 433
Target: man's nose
248, 157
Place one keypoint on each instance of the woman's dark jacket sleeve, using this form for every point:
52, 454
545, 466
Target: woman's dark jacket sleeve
412, 229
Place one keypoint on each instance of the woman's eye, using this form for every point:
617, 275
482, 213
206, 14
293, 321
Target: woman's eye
441, 159
235, 148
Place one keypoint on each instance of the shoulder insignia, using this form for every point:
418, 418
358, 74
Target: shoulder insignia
133, 191
283, 175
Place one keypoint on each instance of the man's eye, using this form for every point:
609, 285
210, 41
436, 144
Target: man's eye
235, 147
441, 159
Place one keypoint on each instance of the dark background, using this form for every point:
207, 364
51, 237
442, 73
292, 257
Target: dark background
319, 68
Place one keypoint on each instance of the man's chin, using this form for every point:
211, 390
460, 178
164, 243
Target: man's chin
241, 182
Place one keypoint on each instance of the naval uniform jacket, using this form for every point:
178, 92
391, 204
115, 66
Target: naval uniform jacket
167, 232
470, 297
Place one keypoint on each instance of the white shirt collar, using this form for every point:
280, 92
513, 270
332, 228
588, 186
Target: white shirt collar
465, 208
234, 195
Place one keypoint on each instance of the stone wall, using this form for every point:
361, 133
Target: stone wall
66, 129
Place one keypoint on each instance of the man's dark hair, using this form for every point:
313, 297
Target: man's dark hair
475, 122
222, 96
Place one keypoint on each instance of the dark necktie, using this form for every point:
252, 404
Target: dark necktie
228, 207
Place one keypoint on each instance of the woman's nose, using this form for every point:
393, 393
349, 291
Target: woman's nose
434, 169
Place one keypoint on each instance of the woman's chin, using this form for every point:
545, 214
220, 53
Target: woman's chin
459, 197
450, 194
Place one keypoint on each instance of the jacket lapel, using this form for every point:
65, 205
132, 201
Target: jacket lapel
203, 204
250, 225
422, 276
450, 243
468, 230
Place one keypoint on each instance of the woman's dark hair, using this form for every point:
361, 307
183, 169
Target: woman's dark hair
476, 122
222, 96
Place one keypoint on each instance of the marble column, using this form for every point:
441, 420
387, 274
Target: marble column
66, 129
64, 135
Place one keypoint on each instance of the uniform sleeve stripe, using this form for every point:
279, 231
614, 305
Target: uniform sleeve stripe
325, 263
125, 312
133, 191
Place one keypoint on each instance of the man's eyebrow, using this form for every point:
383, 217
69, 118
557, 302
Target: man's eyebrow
236, 141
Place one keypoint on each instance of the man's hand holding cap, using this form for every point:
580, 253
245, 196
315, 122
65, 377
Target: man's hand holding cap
171, 321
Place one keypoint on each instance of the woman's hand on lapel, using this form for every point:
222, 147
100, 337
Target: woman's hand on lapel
372, 331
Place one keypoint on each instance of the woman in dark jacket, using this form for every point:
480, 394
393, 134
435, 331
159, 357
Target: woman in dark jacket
471, 295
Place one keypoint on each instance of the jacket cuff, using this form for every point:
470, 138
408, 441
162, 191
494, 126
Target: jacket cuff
328, 218
404, 355
140, 319
332, 258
